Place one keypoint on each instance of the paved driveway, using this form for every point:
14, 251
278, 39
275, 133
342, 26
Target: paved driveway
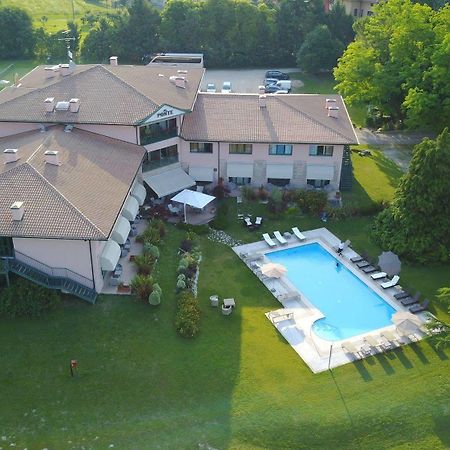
242, 80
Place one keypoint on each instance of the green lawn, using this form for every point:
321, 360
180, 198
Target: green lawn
8, 68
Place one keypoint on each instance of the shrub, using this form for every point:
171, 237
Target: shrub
159, 225
25, 299
181, 285
186, 245
152, 250
144, 263
197, 229
183, 265
220, 222
150, 235
263, 195
187, 319
142, 286
154, 298
248, 193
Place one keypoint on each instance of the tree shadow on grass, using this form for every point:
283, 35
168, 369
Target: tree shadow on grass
439, 352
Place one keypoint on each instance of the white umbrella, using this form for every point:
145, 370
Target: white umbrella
273, 270
406, 322
390, 263
192, 198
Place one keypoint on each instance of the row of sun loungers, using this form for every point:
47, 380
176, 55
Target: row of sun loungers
281, 239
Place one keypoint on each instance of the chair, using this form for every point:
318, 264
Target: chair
372, 342
280, 238
408, 301
378, 275
248, 223
362, 264
420, 307
298, 234
173, 209
348, 347
214, 300
390, 283
268, 240
390, 337
258, 221
402, 294
368, 269
356, 259
227, 310
200, 188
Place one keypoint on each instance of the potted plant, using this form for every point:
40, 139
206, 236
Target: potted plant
123, 288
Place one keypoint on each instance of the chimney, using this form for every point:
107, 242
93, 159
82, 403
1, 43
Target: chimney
10, 155
74, 105
333, 111
113, 60
17, 211
330, 102
51, 157
65, 69
262, 101
180, 82
49, 104
261, 90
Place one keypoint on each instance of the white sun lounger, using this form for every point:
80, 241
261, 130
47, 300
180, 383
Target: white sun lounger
298, 233
391, 283
280, 238
268, 240
378, 275
350, 348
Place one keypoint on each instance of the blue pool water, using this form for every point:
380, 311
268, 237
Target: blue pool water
350, 307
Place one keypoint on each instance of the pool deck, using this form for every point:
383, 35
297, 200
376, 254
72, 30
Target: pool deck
297, 314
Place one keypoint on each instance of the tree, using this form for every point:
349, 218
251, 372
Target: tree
417, 223
17, 39
319, 51
340, 24
99, 44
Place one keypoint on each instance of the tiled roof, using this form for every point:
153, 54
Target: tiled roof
121, 95
287, 118
80, 198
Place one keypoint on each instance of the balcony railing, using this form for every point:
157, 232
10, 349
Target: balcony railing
151, 165
163, 135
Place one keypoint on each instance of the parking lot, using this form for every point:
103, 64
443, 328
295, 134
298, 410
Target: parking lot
242, 80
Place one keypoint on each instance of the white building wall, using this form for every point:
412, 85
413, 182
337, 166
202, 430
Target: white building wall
66, 254
123, 133
11, 128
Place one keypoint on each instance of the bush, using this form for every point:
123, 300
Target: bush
154, 298
183, 265
220, 222
197, 229
181, 285
263, 195
152, 250
142, 286
144, 263
187, 319
25, 299
186, 245
248, 193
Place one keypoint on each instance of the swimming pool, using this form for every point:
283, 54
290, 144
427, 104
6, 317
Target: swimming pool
350, 307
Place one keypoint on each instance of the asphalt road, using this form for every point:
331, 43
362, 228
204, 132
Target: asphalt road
242, 80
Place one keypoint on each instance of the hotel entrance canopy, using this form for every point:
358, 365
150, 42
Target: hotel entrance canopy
168, 182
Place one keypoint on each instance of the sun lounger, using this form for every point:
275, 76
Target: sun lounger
386, 344
389, 336
248, 222
402, 294
258, 221
365, 350
421, 307
378, 275
368, 269
372, 341
268, 240
390, 283
356, 259
280, 238
298, 234
410, 300
350, 348
362, 264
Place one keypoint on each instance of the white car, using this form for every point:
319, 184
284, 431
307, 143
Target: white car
211, 88
226, 87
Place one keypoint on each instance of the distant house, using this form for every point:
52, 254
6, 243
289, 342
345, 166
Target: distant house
83, 146
355, 8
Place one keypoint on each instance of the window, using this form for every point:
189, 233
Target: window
278, 181
239, 180
355, 12
280, 149
369, 13
318, 183
201, 147
244, 149
155, 132
320, 150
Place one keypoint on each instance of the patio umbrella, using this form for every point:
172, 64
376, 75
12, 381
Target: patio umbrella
273, 270
406, 322
390, 263
192, 198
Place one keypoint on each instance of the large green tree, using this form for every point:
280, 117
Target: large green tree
17, 39
417, 223
391, 55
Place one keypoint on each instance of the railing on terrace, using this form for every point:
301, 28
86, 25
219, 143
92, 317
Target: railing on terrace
162, 136
151, 165
59, 272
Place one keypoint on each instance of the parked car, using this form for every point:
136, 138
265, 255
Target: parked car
226, 87
269, 81
271, 89
211, 88
277, 74
280, 85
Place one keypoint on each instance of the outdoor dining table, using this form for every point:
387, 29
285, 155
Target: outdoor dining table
229, 302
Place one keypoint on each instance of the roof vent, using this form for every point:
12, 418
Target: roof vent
42, 128
62, 106
52, 157
17, 211
181, 71
51, 72
74, 105
68, 128
262, 101
333, 111
180, 82
113, 60
49, 104
161, 75
10, 155
65, 69
330, 102
261, 90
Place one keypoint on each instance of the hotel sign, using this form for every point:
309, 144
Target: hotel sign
163, 113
